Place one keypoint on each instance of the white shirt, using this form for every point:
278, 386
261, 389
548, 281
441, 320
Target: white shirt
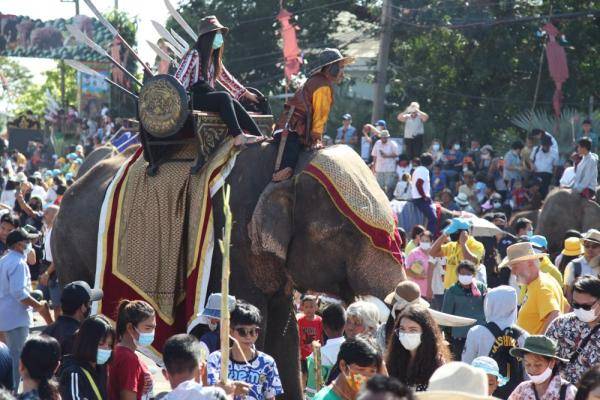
385, 164
329, 352
403, 170
437, 279
543, 162
192, 390
8, 197
365, 146
568, 177
413, 127
420, 173
47, 249
403, 191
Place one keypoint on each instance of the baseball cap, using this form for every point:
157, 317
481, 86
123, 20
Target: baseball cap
19, 235
381, 122
79, 292
347, 116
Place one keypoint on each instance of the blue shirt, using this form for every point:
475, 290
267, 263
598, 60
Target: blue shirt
261, 373
350, 132
453, 157
15, 285
438, 183
511, 160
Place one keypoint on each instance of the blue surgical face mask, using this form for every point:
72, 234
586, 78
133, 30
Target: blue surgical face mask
530, 233
103, 355
145, 339
218, 41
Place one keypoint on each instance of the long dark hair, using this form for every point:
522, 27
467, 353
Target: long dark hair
588, 382
93, 331
208, 55
564, 261
430, 354
40, 357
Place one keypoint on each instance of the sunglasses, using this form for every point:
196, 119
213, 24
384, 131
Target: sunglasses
586, 307
245, 332
591, 245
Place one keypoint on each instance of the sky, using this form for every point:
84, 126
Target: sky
144, 10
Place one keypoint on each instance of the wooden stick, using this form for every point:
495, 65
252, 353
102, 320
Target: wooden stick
225, 245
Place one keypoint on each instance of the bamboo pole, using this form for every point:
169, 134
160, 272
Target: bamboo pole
225, 245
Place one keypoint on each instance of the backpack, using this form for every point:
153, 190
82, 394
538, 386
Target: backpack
509, 366
576, 270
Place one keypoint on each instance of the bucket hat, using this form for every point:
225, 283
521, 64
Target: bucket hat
522, 252
456, 381
329, 56
462, 199
572, 247
209, 24
490, 367
537, 344
213, 306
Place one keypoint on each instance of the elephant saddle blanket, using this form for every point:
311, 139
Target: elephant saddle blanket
356, 194
155, 237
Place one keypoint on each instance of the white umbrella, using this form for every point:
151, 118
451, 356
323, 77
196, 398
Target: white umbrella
481, 226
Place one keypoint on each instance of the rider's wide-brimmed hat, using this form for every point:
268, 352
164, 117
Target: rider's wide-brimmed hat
329, 56
522, 252
210, 24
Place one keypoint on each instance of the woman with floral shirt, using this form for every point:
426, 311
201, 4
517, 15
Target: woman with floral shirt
542, 365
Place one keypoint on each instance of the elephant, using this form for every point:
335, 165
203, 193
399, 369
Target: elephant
564, 209
102, 153
285, 235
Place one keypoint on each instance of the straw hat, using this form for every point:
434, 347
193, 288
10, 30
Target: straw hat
210, 24
384, 134
573, 247
330, 56
593, 235
522, 252
456, 381
537, 344
462, 199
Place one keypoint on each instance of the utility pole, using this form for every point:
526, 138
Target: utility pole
385, 40
116, 4
76, 7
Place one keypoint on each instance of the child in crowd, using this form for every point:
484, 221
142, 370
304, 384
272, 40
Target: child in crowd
519, 195
491, 369
358, 360
419, 266
310, 328
247, 364
334, 321
184, 363
129, 376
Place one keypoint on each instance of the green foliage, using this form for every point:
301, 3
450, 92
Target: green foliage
121, 104
569, 124
473, 80
34, 97
16, 77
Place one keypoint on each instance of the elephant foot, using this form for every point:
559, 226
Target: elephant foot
152, 170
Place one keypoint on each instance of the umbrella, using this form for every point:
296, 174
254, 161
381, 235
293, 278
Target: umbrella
481, 227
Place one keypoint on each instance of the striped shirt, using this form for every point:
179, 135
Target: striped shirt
189, 72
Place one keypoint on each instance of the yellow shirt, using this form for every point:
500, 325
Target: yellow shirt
321, 104
454, 255
547, 267
544, 295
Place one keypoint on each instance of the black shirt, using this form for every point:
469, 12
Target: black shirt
503, 245
63, 330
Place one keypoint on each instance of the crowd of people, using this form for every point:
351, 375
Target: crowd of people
532, 318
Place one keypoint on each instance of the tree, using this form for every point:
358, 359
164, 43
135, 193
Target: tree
34, 97
121, 104
14, 80
474, 78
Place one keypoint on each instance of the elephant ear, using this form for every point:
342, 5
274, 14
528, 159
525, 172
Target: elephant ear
270, 232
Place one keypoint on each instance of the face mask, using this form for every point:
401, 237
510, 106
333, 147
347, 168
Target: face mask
465, 169
530, 233
436, 147
457, 147
410, 341
465, 279
145, 339
103, 355
485, 156
355, 381
218, 41
212, 325
543, 377
425, 245
497, 205
585, 315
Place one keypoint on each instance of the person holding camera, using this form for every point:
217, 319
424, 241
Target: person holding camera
414, 128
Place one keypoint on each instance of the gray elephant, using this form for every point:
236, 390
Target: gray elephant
564, 210
285, 235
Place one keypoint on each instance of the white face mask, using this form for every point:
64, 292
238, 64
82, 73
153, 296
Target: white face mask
435, 147
543, 377
465, 279
425, 245
585, 315
456, 147
409, 341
